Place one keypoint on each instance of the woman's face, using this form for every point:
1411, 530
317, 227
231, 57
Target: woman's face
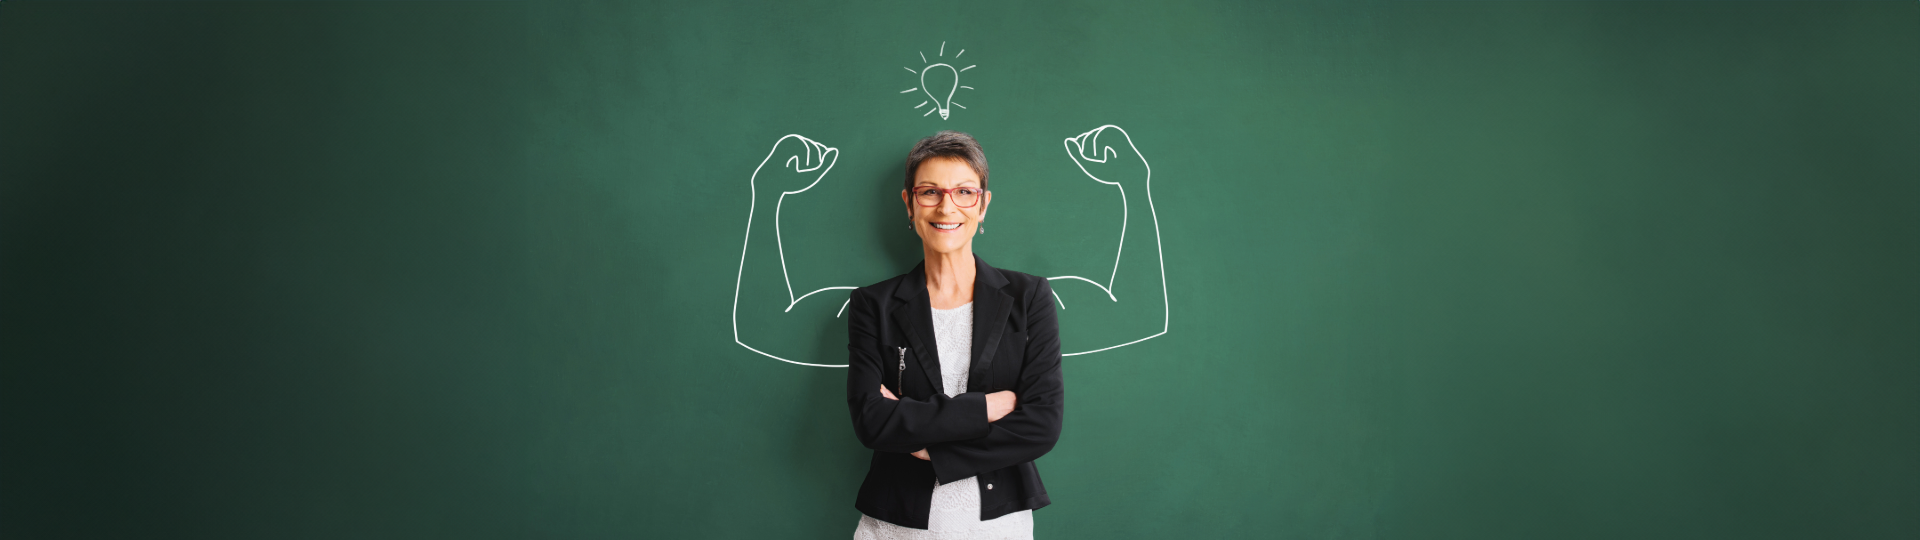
930, 222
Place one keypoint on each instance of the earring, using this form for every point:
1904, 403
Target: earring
981, 229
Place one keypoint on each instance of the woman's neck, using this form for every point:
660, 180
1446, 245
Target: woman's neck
950, 278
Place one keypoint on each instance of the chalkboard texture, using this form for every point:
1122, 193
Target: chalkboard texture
1361, 270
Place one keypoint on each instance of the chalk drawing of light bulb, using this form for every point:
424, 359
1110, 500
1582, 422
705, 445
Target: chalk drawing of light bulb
943, 70
943, 77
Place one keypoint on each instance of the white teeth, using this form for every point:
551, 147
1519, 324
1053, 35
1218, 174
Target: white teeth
946, 226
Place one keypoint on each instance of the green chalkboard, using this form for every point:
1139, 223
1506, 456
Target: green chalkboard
1342, 270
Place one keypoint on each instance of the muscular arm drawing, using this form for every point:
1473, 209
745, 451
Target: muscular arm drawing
1124, 304
766, 307
1130, 302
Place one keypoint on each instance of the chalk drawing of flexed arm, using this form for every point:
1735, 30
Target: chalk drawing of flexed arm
764, 301
1132, 298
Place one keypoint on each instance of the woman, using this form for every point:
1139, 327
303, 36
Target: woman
953, 369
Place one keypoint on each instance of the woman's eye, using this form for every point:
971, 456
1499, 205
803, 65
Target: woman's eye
965, 191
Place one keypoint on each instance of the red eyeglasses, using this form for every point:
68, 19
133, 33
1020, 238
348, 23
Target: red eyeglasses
963, 196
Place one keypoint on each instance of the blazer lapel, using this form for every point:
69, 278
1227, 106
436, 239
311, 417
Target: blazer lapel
990, 308
915, 318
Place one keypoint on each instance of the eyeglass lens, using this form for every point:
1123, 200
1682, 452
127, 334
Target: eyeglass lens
961, 196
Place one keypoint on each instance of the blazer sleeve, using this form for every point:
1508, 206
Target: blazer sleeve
1034, 425
899, 425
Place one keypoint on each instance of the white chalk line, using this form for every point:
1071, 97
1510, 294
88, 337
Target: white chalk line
804, 297
1106, 152
747, 241
1103, 288
943, 106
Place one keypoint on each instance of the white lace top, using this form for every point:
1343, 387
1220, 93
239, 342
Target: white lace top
956, 505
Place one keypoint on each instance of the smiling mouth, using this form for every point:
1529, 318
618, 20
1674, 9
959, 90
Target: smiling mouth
946, 226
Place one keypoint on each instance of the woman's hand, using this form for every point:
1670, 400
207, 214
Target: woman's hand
998, 404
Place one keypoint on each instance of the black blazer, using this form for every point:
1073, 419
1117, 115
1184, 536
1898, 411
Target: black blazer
1016, 346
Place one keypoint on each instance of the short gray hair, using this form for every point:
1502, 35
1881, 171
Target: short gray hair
950, 144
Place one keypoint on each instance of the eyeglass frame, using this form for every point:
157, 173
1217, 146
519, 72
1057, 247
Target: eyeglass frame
945, 195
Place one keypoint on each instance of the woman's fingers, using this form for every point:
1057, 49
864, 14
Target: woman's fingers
999, 404
922, 454
887, 394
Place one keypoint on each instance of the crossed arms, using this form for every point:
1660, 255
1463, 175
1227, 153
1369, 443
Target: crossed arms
958, 434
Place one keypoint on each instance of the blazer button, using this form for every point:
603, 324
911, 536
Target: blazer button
989, 486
